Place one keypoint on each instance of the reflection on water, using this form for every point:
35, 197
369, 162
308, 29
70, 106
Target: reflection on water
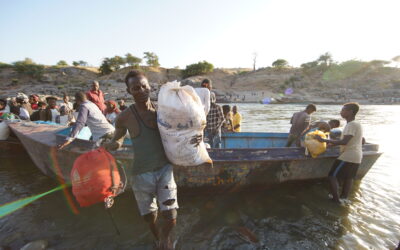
295, 216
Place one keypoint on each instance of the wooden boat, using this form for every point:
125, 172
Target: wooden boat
247, 161
12, 147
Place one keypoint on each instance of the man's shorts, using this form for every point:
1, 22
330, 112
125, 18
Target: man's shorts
344, 169
151, 189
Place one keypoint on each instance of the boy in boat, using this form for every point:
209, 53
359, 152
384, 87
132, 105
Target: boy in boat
151, 175
346, 165
300, 122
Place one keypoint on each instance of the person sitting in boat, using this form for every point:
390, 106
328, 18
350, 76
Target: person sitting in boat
52, 109
151, 175
4, 108
66, 117
66, 102
90, 115
215, 118
34, 100
112, 111
300, 122
237, 119
346, 165
122, 105
227, 126
23, 107
335, 132
39, 114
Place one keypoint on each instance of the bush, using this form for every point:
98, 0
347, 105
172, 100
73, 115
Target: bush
30, 68
199, 68
132, 60
5, 65
80, 63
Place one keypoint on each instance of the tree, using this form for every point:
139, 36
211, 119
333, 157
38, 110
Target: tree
325, 59
62, 63
105, 67
116, 62
80, 63
132, 60
280, 63
151, 59
199, 68
254, 60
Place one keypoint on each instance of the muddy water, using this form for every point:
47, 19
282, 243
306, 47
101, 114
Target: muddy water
295, 216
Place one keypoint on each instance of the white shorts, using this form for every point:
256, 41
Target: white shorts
151, 189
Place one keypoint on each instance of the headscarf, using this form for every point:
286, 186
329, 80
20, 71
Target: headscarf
114, 106
22, 98
35, 98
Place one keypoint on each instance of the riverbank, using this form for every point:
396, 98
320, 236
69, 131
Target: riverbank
268, 85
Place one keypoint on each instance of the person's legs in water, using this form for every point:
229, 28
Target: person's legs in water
169, 217
334, 187
347, 184
151, 219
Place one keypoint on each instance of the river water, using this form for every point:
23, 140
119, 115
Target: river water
292, 216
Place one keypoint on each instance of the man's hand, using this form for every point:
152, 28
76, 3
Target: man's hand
319, 138
110, 146
63, 145
196, 140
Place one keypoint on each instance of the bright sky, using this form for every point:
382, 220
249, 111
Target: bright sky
225, 33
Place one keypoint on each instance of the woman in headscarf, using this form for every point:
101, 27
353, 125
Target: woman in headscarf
34, 100
112, 111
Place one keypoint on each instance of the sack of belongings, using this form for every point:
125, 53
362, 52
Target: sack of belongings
181, 118
95, 177
4, 131
313, 146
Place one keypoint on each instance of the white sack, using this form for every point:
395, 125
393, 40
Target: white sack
180, 117
204, 95
4, 131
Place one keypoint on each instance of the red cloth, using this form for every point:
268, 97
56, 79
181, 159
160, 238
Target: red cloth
34, 106
97, 97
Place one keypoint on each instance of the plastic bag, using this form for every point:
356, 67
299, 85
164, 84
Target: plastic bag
181, 117
313, 146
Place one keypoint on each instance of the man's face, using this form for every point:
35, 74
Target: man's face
2, 105
52, 103
66, 99
234, 109
310, 111
345, 113
139, 88
95, 86
121, 102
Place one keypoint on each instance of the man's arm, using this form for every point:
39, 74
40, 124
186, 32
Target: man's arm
119, 135
344, 141
79, 124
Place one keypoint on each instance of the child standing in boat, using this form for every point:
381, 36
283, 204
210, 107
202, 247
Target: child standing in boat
346, 165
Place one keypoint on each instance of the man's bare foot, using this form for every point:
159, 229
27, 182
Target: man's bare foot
166, 244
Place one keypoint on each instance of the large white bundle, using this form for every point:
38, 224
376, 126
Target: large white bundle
4, 131
181, 117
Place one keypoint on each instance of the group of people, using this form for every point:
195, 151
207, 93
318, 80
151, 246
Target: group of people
151, 175
49, 109
350, 139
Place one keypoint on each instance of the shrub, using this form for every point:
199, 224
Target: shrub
5, 65
80, 63
132, 60
29, 67
199, 68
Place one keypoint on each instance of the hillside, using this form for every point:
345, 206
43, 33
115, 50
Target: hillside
338, 84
